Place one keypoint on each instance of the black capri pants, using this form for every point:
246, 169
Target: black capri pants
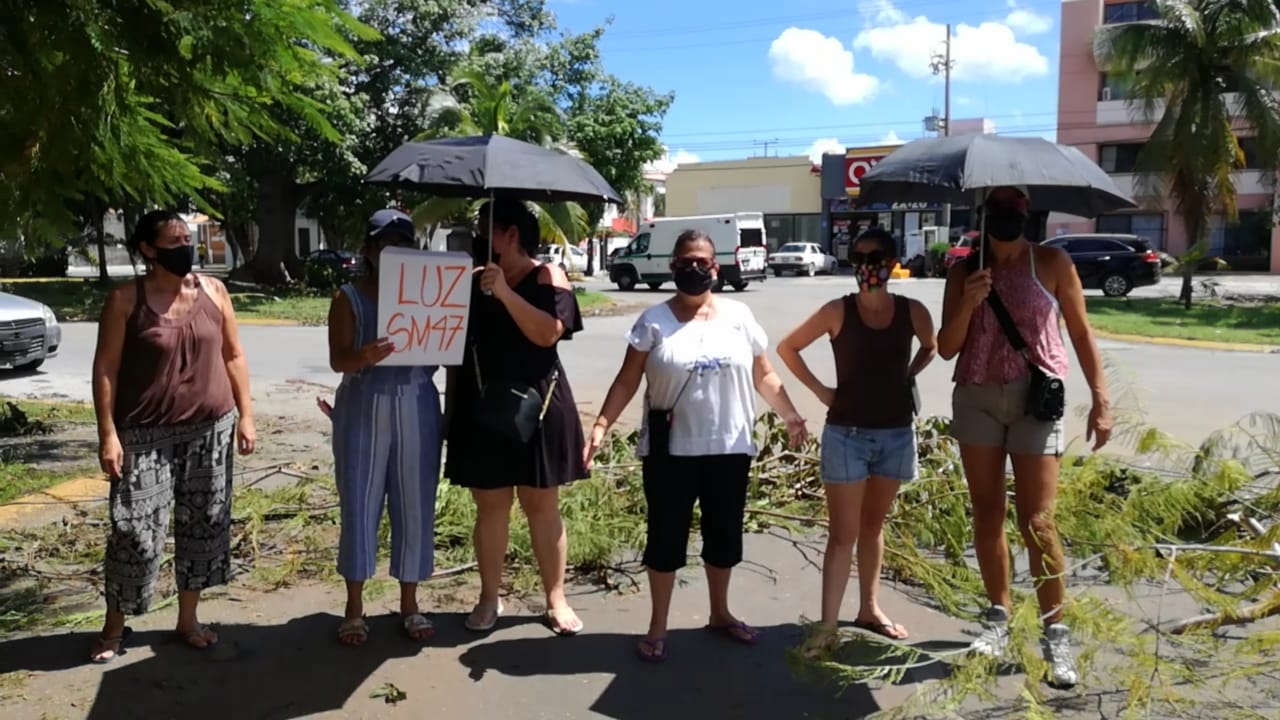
672, 484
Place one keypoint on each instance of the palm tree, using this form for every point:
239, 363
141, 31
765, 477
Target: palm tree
498, 109
1184, 68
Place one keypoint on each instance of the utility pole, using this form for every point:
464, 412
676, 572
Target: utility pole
941, 64
766, 144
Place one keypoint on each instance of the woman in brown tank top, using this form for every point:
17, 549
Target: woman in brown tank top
869, 442
169, 421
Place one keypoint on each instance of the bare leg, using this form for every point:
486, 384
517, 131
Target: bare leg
984, 472
189, 627
353, 611
876, 504
551, 549
844, 511
661, 587
107, 646
1035, 491
493, 523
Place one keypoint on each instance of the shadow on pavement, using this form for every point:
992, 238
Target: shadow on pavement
264, 672
705, 675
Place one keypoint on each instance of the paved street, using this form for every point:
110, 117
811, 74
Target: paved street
1187, 392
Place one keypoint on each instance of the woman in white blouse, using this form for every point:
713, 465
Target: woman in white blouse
703, 359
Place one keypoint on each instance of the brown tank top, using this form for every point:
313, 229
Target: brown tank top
171, 369
873, 387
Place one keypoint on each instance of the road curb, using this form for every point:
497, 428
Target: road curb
1179, 342
65, 494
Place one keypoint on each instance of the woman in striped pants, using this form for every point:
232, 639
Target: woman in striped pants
386, 445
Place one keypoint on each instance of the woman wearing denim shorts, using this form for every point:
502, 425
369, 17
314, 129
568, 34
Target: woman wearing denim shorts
869, 443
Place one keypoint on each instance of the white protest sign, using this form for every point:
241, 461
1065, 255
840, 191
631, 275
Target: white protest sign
424, 303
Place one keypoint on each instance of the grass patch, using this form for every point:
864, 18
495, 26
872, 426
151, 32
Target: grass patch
19, 479
299, 310
24, 419
1253, 324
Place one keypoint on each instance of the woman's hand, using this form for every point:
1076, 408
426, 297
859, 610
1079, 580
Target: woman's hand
111, 456
493, 282
797, 433
376, 351
1100, 424
246, 435
976, 288
594, 441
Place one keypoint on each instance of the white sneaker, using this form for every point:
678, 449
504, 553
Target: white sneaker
994, 640
1056, 648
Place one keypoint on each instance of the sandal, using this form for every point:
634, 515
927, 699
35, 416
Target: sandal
101, 653
418, 627
654, 651
738, 632
198, 634
353, 629
563, 630
474, 624
890, 630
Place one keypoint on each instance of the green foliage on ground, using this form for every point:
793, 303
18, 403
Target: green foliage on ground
1253, 323
25, 419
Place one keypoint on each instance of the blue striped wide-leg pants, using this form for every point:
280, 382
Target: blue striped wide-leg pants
386, 444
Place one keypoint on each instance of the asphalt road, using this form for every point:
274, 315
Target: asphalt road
1186, 392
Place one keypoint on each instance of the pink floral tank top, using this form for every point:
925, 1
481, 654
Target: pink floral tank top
987, 357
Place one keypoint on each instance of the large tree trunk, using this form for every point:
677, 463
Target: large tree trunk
97, 212
239, 240
276, 259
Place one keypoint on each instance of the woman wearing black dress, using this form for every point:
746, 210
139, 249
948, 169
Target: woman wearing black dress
520, 311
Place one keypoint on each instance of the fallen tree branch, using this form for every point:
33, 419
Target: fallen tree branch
784, 516
1243, 616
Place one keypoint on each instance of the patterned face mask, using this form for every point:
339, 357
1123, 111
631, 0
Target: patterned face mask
871, 269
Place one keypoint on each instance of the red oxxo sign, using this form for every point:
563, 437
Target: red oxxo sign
858, 163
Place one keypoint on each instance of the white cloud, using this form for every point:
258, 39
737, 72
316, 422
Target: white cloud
813, 61
669, 162
987, 52
824, 146
891, 138
1027, 22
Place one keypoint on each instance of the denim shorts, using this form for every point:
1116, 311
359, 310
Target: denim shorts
851, 454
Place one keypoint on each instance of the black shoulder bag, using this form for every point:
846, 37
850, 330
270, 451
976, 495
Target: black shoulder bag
659, 423
1046, 395
511, 408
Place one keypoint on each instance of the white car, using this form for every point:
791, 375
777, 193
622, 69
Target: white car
802, 259
570, 258
29, 333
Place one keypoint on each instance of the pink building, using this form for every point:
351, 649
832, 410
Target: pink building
1094, 115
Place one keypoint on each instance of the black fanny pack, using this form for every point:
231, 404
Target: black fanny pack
1046, 394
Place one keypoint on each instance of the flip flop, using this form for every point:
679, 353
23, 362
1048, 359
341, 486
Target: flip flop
882, 629
418, 627
653, 651
197, 633
119, 641
739, 632
475, 626
561, 630
353, 628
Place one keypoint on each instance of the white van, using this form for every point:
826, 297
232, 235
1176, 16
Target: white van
738, 237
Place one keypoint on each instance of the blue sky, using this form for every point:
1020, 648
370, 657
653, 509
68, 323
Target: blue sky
807, 76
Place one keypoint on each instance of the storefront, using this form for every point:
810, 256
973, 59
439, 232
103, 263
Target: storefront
845, 219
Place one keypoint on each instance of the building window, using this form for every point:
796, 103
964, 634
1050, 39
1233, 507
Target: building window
1125, 12
1114, 87
1246, 244
1149, 227
1249, 146
1119, 157
782, 229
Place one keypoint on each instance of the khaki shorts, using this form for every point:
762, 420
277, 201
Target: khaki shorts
996, 416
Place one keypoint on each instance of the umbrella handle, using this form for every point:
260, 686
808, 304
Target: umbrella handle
982, 228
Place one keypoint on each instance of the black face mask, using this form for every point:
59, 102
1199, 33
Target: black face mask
175, 260
1005, 225
693, 279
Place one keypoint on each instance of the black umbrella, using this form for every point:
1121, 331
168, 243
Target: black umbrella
955, 169
492, 166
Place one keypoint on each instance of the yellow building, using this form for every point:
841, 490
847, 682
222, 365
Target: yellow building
788, 190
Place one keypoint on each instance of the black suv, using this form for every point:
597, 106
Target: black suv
1114, 264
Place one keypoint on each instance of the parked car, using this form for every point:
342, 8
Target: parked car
332, 267
961, 249
1112, 263
29, 333
802, 259
570, 258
